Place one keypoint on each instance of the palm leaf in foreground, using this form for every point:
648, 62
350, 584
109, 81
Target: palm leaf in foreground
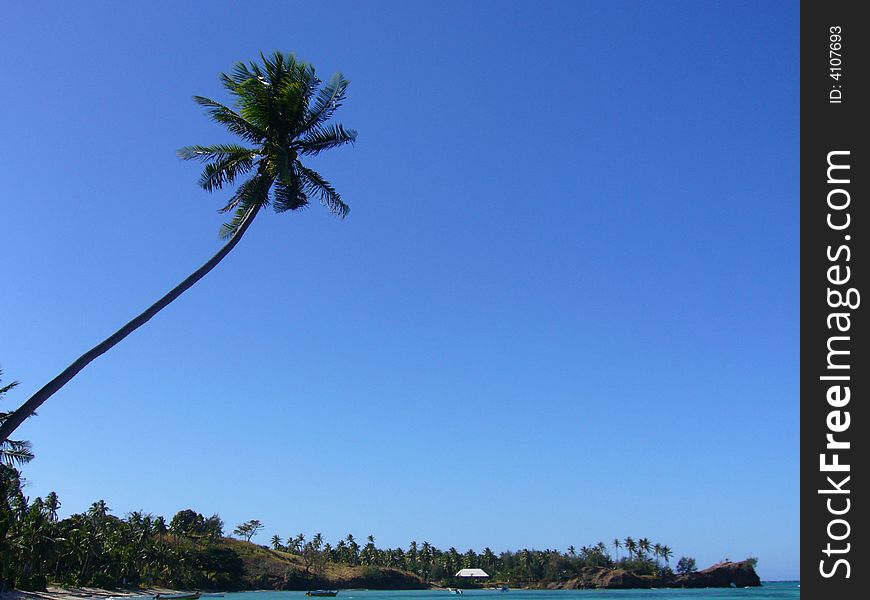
12, 453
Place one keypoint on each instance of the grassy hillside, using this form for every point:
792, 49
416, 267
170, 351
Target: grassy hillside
273, 569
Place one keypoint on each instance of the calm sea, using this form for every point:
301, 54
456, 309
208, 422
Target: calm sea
769, 591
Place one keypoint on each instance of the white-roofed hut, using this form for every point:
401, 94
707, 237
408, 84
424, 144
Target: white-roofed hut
472, 573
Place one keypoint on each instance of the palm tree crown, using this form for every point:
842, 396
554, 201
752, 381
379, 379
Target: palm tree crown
282, 112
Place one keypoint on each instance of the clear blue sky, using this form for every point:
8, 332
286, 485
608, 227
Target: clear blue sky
564, 306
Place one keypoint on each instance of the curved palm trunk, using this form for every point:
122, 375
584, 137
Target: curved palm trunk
35, 401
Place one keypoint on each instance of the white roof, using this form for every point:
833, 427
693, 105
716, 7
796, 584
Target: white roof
471, 573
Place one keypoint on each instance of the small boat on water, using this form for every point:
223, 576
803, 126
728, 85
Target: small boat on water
504, 588
455, 591
328, 593
190, 596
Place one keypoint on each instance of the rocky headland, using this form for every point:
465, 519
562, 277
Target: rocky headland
724, 574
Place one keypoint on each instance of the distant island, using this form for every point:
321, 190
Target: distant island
191, 552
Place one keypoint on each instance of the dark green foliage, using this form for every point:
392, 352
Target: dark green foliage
686, 564
186, 523
27, 535
25, 530
98, 549
220, 568
523, 567
526, 567
190, 524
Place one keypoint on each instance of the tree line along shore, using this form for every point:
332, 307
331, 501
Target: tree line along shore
191, 551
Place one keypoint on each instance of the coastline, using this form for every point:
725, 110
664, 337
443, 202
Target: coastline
80, 593
721, 575
83, 593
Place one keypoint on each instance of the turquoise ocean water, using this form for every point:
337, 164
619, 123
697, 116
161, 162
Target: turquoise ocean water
769, 591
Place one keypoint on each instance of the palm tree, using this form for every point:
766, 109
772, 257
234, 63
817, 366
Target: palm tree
282, 113
369, 552
657, 551
426, 559
99, 510
643, 545
667, 554
352, 549
12, 453
412, 556
52, 504
160, 526
276, 542
630, 546
489, 558
341, 551
616, 546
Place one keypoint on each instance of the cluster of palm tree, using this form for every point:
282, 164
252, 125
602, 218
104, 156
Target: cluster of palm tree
643, 551
96, 548
100, 549
434, 564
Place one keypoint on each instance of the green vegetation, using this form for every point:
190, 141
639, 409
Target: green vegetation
686, 565
524, 567
282, 113
96, 548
